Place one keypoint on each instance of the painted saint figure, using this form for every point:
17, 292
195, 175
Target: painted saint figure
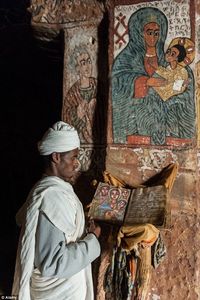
80, 100
179, 54
139, 113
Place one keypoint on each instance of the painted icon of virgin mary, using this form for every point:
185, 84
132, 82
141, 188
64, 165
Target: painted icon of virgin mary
140, 116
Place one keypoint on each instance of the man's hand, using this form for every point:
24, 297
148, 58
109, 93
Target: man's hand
94, 228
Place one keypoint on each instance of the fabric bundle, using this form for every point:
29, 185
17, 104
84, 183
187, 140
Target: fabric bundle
128, 274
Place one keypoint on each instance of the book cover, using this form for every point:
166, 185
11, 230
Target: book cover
109, 203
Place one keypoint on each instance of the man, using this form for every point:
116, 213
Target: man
54, 253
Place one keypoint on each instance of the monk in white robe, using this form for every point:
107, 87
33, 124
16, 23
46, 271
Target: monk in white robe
55, 253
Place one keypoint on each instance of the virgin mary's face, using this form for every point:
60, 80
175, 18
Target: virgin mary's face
151, 34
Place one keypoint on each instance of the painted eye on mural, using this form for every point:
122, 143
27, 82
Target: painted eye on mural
150, 32
171, 53
85, 62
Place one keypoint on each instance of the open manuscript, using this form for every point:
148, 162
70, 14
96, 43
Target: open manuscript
129, 206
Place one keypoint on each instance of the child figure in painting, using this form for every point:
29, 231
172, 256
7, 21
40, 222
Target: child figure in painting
179, 54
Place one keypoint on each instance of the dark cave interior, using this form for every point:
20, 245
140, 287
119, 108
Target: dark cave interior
31, 97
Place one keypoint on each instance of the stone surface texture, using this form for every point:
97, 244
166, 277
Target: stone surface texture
177, 277
49, 17
64, 11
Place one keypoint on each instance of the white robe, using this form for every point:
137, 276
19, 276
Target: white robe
66, 213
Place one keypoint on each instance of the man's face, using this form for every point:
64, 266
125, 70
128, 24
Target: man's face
68, 166
84, 65
151, 34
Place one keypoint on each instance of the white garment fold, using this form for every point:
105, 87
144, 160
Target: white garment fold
59, 210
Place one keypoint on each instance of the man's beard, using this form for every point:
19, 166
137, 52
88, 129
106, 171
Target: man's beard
75, 177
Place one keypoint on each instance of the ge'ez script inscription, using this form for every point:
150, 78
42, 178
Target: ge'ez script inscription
147, 205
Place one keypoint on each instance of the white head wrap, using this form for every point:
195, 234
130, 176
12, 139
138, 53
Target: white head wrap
62, 137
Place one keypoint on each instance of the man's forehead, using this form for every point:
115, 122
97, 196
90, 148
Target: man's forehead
70, 153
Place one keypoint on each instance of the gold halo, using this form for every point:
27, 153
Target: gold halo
189, 46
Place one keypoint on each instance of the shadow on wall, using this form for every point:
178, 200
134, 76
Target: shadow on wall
31, 99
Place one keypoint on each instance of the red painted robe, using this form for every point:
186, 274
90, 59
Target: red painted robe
141, 87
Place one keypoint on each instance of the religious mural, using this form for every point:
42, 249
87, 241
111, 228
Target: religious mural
198, 98
80, 83
82, 106
198, 66
153, 99
81, 97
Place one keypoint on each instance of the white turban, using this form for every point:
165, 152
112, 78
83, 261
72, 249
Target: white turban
62, 137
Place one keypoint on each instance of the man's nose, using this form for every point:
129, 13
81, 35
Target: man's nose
77, 165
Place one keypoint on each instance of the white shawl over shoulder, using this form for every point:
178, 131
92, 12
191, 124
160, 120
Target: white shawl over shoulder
59, 211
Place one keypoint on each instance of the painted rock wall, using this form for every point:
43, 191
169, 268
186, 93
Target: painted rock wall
140, 115
151, 126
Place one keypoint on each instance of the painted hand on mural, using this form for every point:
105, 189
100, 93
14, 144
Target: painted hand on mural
154, 82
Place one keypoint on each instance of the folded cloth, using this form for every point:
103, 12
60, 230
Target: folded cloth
130, 236
158, 252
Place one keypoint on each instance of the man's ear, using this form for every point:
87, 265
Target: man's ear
55, 157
